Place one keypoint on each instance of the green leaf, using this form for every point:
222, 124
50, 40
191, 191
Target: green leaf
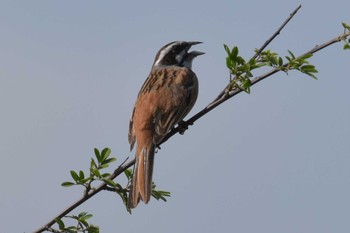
86, 217
73, 217
84, 222
280, 61
109, 182
67, 184
81, 214
291, 54
128, 173
96, 172
86, 180
74, 176
160, 195
234, 53
249, 74
273, 60
71, 229
252, 62
81, 175
306, 56
311, 75
227, 49
246, 85
240, 60
346, 46
60, 223
93, 164
243, 68
97, 154
346, 26
308, 68
105, 175
229, 63
93, 229
105, 153
104, 166
288, 58
110, 160
159, 192
255, 66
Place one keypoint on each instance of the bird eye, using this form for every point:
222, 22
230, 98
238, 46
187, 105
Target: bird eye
175, 49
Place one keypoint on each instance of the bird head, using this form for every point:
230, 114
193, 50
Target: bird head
176, 54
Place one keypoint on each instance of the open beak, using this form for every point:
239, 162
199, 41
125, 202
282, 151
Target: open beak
194, 42
194, 53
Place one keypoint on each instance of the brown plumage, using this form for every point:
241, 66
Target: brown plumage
166, 97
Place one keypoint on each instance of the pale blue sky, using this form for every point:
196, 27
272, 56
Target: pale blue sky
274, 161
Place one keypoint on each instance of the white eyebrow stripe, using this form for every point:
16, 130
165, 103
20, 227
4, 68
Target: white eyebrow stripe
164, 52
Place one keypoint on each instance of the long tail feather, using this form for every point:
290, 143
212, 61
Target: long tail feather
141, 183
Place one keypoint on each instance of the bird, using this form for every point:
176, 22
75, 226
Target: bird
166, 97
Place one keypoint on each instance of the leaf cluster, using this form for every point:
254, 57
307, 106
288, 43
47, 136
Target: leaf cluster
300, 63
159, 194
241, 70
101, 162
82, 224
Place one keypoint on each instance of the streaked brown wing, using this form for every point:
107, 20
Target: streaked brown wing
180, 97
167, 96
146, 95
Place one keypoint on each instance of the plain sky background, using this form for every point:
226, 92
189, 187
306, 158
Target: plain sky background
277, 160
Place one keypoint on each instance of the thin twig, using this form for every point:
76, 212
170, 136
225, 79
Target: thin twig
267, 42
276, 33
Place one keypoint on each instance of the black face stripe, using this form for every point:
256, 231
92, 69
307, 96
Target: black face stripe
168, 54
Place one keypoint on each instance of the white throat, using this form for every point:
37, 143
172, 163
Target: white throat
188, 63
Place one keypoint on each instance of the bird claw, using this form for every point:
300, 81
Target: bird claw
182, 126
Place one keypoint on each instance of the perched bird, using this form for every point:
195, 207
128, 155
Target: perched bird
166, 97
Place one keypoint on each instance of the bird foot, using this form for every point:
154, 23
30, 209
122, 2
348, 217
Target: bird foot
182, 126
